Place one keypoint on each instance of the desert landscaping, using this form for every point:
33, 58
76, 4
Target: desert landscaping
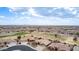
40, 38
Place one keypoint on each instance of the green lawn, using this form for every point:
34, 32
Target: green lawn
20, 33
17, 33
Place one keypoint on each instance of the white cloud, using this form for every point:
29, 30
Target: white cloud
14, 9
71, 9
24, 17
44, 21
24, 10
2, 16
74, 12
33, 12
39, 19
24, 13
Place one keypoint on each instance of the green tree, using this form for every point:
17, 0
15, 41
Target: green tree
18, 39
75, 38
77, 33
56, 35
5, 43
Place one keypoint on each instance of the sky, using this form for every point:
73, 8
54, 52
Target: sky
39, 15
